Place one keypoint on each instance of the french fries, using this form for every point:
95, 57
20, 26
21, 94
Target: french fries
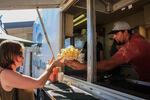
69, 53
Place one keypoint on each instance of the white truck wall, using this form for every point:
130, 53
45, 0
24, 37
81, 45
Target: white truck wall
52, 21
26, 65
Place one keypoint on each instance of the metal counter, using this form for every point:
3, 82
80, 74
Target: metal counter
75, 89
62, 91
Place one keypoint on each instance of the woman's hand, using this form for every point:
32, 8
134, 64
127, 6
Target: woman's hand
55, 68
56, 63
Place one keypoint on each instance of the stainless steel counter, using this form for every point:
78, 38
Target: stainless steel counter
62, 91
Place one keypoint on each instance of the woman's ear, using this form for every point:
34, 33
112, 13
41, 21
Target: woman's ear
16, 59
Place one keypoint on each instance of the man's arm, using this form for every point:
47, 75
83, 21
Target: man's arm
106, 65
101, 55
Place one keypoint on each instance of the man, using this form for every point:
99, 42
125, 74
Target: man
134, 50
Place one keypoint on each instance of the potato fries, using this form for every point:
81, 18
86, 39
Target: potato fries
69, 53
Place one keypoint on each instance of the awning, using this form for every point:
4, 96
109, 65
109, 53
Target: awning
30, 4
4, 36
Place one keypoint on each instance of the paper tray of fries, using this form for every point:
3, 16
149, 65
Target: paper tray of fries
71, 53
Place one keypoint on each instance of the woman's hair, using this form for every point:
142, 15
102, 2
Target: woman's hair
8, 50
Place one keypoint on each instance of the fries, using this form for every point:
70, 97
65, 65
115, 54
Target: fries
69, 53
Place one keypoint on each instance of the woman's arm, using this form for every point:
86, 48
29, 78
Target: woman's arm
16, 80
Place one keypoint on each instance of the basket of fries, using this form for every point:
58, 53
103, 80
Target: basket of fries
69, 53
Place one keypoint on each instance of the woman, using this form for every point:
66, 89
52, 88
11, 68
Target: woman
11, 57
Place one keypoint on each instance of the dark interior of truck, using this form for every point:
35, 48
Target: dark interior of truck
123, 78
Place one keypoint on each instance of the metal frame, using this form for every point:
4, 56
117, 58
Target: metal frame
91, 41
99, 92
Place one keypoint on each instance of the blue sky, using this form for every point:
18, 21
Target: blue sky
18, 15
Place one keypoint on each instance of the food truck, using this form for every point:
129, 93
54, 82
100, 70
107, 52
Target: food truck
62, 23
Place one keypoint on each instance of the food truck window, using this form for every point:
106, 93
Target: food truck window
76, 39
124, 77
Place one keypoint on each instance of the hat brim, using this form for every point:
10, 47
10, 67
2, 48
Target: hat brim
112, 32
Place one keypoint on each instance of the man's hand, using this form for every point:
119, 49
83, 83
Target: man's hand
74, 64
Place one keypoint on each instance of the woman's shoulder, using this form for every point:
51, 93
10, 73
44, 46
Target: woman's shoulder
6, 72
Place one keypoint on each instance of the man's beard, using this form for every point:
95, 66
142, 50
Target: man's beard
120, 43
